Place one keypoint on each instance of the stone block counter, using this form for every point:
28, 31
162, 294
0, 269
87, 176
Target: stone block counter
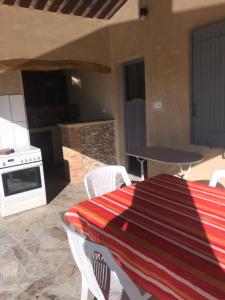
86, 146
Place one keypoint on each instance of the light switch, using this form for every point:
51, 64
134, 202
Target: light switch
157, 105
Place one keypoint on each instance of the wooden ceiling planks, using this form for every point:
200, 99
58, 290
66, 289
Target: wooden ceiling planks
69, 7
9, 2
40, 4
82, 8
101, 9
95, 8
25, 3
54, 6
110, 9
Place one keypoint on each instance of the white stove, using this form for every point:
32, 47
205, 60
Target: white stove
22, 185
21, 156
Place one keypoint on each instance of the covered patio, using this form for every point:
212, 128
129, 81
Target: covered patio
134, 83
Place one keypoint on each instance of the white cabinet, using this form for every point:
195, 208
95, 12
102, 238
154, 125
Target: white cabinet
21, 135
6, 135
17, 108
5, 111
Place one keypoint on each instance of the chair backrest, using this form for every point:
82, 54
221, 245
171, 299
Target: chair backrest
216, 176
99, 269
103, 179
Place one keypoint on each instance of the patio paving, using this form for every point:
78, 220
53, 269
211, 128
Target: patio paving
36, 262
35, 258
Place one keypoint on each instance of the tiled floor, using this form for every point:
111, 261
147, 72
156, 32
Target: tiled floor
35, 259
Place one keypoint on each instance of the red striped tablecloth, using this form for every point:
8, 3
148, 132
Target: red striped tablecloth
168, 234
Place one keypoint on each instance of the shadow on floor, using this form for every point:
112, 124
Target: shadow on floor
55, 181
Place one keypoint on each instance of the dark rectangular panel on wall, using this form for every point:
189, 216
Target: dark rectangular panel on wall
208, 85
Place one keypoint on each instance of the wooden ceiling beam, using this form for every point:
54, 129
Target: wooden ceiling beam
25, 3
69, 7
51, 65
40, 4
33, 3
95, 8
107, 9
82, 8
54, 6
9, 2
115, 9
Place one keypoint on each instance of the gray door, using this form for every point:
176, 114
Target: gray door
135, 123
208, 85
135, 112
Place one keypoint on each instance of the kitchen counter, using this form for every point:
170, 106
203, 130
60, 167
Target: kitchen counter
87, 145
85, 123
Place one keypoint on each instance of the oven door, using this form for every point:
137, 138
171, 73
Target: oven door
21, 179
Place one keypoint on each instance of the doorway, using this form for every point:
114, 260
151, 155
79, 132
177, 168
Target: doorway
47, 105
134, 111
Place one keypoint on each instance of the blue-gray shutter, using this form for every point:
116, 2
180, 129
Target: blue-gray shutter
208, 85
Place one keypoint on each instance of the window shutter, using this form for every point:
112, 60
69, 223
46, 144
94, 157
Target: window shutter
208, 85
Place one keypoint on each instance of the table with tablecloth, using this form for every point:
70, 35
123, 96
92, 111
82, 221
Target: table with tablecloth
166, 233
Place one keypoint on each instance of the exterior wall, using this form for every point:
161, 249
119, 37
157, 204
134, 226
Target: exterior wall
27, 33
163, 40
94, 95
86, 146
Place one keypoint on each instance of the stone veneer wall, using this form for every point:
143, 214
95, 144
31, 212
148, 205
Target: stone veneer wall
86, 146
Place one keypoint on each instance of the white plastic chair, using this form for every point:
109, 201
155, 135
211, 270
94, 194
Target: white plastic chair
215, 177
99, 272
103, 179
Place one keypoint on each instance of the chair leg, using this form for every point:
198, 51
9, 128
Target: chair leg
84, 291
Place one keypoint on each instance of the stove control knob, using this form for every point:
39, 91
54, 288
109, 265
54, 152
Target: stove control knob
25, 160
30, 159
4, 164
34, 158
38, 158
21, 161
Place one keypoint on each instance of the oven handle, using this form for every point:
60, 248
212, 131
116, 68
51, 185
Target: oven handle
21, 167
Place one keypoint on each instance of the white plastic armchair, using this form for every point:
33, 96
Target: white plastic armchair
216, 176
100, 273
103, 179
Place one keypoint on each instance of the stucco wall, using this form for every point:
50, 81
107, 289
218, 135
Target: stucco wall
94, 95
163, 40
27, 33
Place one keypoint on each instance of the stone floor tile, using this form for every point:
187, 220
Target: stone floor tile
35, 259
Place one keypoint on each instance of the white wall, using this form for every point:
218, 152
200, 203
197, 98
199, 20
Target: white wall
94, 95
13, 122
